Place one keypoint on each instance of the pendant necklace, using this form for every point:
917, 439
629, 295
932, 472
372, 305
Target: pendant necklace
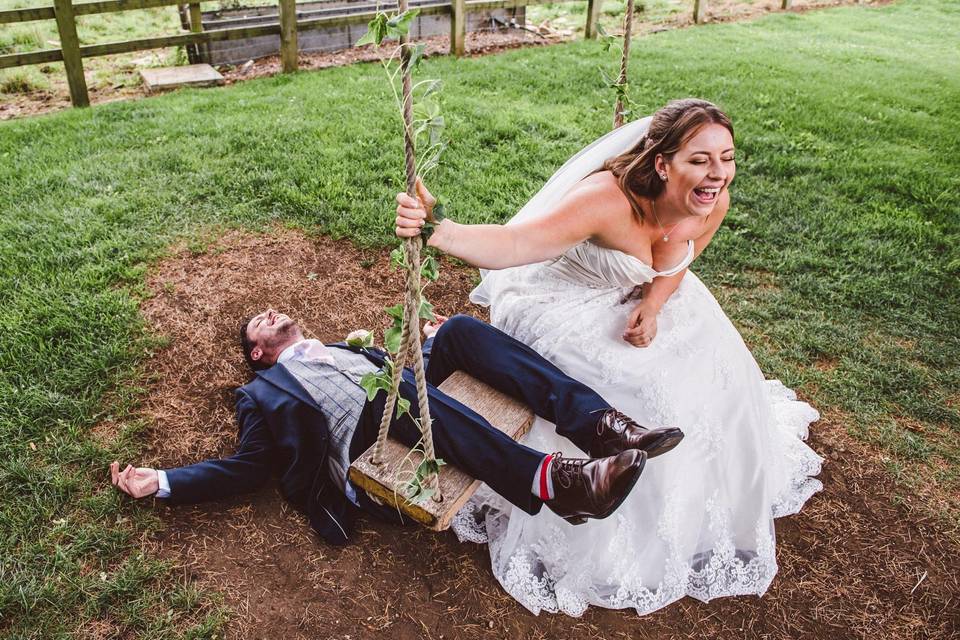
666, 234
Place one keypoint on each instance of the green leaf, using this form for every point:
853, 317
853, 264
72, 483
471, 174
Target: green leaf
375, 381
431, 87
426, 109
436, 126
427, 468
395, 312
398, 258
399, 25
403, 406
416, 56
376, 30
392, 338
388, 366
426, 310
429, 269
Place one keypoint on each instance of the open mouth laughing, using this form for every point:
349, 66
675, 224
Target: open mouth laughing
706, 195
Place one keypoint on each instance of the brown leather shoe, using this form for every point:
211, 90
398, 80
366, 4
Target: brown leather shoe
617, 432
593, 488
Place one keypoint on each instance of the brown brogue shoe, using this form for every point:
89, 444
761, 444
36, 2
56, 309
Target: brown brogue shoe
617, 432
593, 488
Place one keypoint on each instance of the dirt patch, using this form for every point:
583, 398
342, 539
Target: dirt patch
852, 564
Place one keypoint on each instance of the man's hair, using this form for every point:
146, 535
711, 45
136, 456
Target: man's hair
247, 345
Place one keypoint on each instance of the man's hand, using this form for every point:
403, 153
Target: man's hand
430, 329
641, 326
412, 212
138, 482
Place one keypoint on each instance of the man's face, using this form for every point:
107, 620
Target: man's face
270, 333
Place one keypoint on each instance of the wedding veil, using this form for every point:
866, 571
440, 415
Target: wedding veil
587, 160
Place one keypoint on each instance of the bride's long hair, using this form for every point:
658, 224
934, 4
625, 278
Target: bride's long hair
671, 126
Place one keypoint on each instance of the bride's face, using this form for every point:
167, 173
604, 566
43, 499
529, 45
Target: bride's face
700, 171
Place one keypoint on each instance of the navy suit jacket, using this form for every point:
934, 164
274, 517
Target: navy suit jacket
281, 431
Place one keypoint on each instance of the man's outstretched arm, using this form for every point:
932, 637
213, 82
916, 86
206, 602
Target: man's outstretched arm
244, 471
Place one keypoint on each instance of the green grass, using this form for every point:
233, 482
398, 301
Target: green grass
839, 260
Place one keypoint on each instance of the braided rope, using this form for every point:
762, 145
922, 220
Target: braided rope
398, 364
627, 28
410, 337
416, 350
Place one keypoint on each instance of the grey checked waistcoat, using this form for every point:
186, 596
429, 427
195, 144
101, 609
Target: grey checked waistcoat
341, 398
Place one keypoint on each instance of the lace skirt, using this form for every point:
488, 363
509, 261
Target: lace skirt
700, 520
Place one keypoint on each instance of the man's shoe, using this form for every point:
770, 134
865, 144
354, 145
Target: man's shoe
617, 432
593, 488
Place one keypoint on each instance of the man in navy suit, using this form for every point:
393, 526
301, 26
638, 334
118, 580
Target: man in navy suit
304, 417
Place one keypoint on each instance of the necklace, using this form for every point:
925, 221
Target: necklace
666, 234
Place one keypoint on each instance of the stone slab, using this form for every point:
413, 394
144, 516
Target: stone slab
194, 75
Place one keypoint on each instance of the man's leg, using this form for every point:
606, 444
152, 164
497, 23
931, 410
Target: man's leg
506, 364
463, 438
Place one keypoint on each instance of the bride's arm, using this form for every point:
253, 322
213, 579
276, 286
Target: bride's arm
642, 322
583, 213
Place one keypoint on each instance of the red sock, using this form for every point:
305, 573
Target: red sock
542, 479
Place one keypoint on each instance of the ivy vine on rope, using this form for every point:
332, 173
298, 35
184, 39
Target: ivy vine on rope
423, 126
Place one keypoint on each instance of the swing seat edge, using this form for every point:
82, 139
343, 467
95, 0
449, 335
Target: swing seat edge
382, 482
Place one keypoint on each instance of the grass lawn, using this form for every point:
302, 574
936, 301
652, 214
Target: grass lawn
839, 260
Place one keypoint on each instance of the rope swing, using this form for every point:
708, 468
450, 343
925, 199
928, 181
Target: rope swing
622, 78
410, 338
383, 471
378, 471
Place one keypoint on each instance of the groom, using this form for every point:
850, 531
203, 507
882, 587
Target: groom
305, 416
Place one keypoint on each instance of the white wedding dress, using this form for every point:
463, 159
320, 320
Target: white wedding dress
700, 520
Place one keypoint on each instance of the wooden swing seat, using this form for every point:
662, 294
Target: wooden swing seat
385, 483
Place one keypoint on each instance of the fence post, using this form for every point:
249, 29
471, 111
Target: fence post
288, 35
458, 27
593, 17
70, 47
786, 4
196, 26
700, 8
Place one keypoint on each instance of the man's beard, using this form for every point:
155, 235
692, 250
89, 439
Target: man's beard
283, 335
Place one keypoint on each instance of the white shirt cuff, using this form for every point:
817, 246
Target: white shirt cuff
164, 490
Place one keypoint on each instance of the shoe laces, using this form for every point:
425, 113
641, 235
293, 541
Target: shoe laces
617, 422
568, 471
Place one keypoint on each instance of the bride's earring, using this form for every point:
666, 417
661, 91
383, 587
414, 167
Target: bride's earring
663, 177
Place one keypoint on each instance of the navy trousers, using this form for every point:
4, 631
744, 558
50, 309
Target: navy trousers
463, 437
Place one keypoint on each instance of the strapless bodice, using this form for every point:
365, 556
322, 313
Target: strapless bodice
596, 266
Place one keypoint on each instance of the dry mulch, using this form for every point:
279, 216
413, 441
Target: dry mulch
852, 564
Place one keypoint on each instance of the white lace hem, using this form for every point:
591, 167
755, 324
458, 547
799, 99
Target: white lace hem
543, 577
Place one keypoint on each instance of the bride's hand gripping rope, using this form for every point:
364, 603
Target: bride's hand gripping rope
413, 213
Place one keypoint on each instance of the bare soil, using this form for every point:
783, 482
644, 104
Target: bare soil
477, 44
852, 564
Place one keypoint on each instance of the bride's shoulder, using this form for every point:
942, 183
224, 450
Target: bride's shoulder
601, 191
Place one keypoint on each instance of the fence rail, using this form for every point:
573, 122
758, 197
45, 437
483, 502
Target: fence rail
71, 53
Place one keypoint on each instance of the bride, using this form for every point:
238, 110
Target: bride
593, 274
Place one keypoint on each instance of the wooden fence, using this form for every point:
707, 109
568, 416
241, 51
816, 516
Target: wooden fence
71, 53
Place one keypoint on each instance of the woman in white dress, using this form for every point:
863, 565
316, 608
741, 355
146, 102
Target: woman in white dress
592, 273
